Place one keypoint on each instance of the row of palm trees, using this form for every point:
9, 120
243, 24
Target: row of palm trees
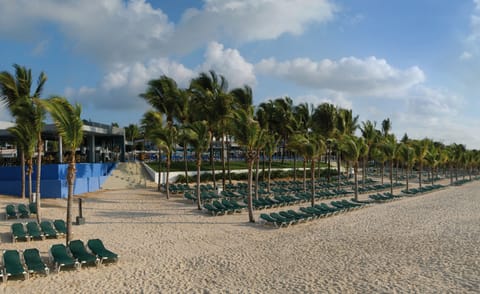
195, 116
29, 111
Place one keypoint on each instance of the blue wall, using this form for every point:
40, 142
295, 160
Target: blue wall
90, 177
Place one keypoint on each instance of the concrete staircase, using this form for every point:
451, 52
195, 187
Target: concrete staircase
128, 175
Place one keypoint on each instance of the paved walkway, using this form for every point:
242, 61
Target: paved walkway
128, 175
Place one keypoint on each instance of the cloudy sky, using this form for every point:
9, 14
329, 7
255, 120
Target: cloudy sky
416, 62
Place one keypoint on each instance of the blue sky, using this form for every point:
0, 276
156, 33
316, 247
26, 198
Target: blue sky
416, 62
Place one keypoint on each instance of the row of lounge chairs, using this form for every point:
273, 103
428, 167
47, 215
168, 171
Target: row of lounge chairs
34, 231
291, 217
22, 210
74, 256
224, 207
423, 189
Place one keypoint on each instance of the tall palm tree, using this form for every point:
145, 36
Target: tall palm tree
70, 127
165, 137
421, 151
213, 104
369, 134
352, 148
200, 137
250, 135
389, 148
152, 122
26, 142
324, 122
407, 155
17, 96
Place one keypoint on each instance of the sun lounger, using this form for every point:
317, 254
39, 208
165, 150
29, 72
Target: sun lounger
23, 211
32, 207
19, 233
34, 262
77, 247
271, 221
13, 265
10, 211
61, 257
48, 229
60, 226
33, 230
97, 247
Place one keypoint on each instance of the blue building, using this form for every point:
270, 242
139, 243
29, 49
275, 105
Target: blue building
103, 146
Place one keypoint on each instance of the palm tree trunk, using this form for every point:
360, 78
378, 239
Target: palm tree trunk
70, 181
199, 163
355, 169
167, 181
312, 177
339, 172
223, 160
39, 172
408, 175
257, 174
382, 170
249, 190
305, 175
22, 164
159, 186
185, 161
420, 175
391, 176
364, 171
228, 161
269, 172
30, 171
328, 165
212, 163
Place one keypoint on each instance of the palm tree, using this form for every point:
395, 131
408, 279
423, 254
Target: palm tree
250, 135
352, 148
324, 122
369, 134
23, 106
389, 148
199, 139
70, 127
407, 155
26, 142
165, 138
421, 151
152, 122
213, 104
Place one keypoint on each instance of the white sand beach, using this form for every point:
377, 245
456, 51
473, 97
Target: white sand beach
424, 244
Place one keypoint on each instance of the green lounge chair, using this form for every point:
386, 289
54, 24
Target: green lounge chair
48, 229
23, 211
213, 210
10, 211
80, 253
34, 262
32, 207
61, 258
13, 265
288, 221
60, 226
97, 247
268, 220
34, 231
19, 233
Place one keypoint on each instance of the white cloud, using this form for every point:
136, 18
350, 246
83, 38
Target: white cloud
120, 87
230, 64
108, 30
369, 76
111, 31
434, 105
335, 98
249, 20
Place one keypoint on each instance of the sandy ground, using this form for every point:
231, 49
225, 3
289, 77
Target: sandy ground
424, 244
